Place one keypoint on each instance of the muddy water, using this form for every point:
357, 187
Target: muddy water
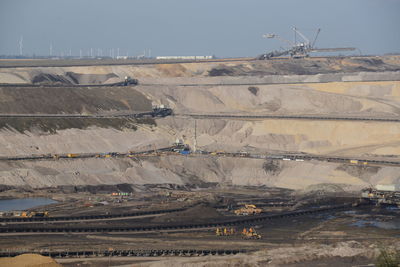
389, 225
24, 203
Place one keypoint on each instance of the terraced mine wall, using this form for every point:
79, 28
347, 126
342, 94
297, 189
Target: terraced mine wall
275, 71
332, 87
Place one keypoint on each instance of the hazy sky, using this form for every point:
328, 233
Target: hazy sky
225, 28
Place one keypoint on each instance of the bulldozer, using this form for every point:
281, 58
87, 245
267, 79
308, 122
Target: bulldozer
250, 234
248, 209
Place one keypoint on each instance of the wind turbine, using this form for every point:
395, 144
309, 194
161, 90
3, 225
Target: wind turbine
21, 46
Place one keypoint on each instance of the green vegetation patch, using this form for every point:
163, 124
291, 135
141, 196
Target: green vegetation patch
388, 257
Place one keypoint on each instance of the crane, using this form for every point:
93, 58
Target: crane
271, 35
299, 49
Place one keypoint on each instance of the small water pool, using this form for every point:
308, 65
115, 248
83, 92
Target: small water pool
24, 203
389, 225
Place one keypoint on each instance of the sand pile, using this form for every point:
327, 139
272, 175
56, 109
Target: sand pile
29, 260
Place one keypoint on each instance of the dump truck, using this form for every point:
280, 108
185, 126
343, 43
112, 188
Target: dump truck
72, 155
248, 209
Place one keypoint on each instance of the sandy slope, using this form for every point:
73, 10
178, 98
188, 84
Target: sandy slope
29, 260
180, 170
350, 98
184, 88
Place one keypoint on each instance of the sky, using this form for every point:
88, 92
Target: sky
224, 28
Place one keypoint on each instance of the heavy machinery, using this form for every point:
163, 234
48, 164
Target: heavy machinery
27, 214
299, 49
248, 209
224, 231
383, 194
161, 111
40, 214
128, 81
250, 233
185, 150
181, 148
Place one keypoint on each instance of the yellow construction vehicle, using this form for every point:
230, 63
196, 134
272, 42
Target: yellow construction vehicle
248, 209
224, 231
25, 214
218, 232
250, 233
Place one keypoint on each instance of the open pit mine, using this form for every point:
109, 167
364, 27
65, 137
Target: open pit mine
239, 162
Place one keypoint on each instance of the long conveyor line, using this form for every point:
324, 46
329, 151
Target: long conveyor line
90, 217
235, 222
127, 253
289, 117
168, 150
